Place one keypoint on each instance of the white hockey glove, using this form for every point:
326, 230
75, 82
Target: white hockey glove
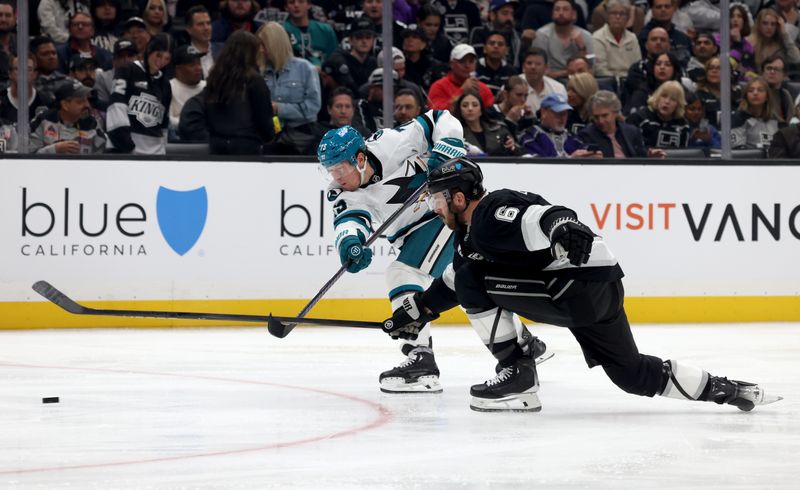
408, 319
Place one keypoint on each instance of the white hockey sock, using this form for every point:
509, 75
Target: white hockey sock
685, 382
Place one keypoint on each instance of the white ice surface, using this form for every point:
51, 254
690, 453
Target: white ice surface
236, 408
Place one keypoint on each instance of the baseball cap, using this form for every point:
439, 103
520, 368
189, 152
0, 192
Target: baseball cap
133, 21
376, 77
397, 55
186, 54
413, 32
496, 4
70, 89
461, 50
555, 102
124, 46
78, 61
362, 25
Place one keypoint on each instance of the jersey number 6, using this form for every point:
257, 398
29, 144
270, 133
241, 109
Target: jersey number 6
506, 213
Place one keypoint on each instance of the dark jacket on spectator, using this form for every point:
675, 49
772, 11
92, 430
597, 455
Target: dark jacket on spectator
785, 143
681, 45
492, 140
347, 70
658, 133
192, 126
425, 71
628, 136
222, 28
66, 51
40, 103
241, 126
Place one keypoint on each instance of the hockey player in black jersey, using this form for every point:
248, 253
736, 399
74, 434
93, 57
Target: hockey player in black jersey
137, 119
517, 253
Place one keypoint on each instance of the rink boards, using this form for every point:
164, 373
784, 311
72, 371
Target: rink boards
697, 243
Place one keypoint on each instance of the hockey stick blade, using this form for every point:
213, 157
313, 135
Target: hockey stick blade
52, 294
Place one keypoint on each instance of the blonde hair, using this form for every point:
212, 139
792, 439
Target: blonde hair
585, 85
760, 43
770, 109
674, 91
144, 17
277, 44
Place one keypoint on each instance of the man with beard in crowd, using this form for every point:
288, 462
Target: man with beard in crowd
657, 44
501, 20
8, 38
81, 31
69, 127
237, 14
561, 39
48, 77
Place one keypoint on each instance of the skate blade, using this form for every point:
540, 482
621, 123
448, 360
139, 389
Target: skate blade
544, 357
523, 402
423, 384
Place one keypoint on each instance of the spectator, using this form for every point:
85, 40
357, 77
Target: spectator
313, 40
679, 19
81, 31
135, 30
704, 14
742, 53
429, 21
561, 39
106, 18
702, 134
8, 27
37, 102
341, 107
512, 108
238, 104
399, 66
293, 82
48, 77
580, 88
192, 126
770, 37
614, 138
421, 67
657, 44
84, 70
198, 28
369, 110
69, 128
634, 18
373, 12
352, 68
681, 45
54, 17
787, 9
662, 123
137, 119
538, 13
187, 83
9, 142
663, 68
236, 15
578, 64
534, 67
407, 106
786, 142
704, 47
501, 20
773, 71
155, 16
493, 68
459, 80
708, 90
482, 136
616, 48
125, 52
550, 137
459, 17
757, 120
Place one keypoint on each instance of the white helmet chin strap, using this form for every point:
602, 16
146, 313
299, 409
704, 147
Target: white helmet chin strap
362, 171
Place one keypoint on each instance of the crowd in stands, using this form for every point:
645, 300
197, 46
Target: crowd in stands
538, 78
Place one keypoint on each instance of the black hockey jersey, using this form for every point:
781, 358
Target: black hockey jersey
509, 231
137, 118
658, 133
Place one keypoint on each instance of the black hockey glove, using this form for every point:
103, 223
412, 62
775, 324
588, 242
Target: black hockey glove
408, 319
572, 239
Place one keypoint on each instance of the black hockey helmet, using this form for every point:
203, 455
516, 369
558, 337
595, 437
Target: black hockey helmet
462, 174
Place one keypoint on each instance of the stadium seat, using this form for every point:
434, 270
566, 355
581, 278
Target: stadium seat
187, 149
686, 153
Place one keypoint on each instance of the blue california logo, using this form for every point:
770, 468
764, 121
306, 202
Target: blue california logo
181, 217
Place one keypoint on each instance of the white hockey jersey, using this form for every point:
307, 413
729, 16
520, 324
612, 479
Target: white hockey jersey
399, 157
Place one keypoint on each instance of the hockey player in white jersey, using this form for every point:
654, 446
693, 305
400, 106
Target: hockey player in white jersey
370, 180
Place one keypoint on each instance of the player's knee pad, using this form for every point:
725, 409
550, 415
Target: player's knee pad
638, 378
402, 280
682, 381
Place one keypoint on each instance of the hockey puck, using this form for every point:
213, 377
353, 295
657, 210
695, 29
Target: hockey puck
50, 399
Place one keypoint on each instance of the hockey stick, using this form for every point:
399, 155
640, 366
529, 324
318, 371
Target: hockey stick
65, 302
281, 329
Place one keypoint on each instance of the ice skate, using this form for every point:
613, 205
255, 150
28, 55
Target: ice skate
512, 390
745, 396
417, 374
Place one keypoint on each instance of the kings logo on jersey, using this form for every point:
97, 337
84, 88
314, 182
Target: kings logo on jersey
147, 109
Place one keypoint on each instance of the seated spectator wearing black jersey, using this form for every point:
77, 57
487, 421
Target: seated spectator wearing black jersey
662, 68
708, 90
38, 102
493, 69
512, 108
702, 134
238, 103
607, 132
662, 123
482, 135
48, 78
757, 120
421, 67
107, 17
580, 88
137, 118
